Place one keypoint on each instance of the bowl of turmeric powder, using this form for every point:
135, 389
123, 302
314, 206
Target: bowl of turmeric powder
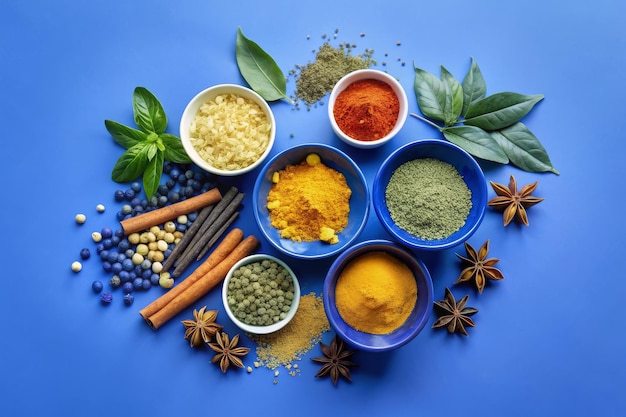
367, 108
311, 201
377, 296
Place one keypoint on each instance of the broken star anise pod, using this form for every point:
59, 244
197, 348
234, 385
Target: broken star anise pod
335, 360
228, 353
513, 203
202, 328
454, 316
477, 267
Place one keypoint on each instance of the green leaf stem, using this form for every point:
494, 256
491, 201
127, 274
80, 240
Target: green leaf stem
260, 70
148, 112
523, 148
476, 142
500, 110
487, 127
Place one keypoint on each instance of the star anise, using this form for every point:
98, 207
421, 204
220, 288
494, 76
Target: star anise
455, 316
202, 328
514, 204
478, 267
228, 353
335, 360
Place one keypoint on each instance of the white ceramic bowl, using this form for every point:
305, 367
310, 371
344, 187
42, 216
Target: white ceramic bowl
261, 329
209, 94
368, 74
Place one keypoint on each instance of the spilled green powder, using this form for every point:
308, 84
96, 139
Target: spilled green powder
316, 79
428, 198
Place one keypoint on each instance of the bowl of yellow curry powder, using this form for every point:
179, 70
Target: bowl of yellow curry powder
378, 296
311, 201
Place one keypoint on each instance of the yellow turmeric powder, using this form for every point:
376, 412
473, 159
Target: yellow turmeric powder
309, 201
376, 293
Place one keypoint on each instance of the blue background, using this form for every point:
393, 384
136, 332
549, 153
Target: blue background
549, 338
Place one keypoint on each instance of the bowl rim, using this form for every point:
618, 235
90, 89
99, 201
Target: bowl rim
272, 327
424, 303
192, 108
333, 249
437, 244
363, 74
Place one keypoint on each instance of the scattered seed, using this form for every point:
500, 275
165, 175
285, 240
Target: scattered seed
80, 218
100, 208
76, 266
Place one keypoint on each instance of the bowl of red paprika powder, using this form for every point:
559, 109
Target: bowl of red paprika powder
367, 108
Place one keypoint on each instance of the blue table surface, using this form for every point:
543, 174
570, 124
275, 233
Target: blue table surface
549, 338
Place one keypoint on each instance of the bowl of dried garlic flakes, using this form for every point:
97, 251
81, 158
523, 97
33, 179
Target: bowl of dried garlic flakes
227, 129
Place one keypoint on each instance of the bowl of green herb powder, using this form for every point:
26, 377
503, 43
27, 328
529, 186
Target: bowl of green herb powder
430, 194
261, 294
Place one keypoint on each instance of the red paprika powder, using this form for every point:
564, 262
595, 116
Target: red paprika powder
367, 110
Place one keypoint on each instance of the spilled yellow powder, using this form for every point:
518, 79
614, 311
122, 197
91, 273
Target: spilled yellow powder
298, 337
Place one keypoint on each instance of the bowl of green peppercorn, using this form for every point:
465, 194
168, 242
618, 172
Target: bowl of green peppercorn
261, 294
430, 194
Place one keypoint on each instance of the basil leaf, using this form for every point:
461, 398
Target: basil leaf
476, 142
124, 135
454, 97
152, 174
523, 148
148, 112
174, 150
431, 95
152, 150
259, 69
474, 86
131, 164
500, 110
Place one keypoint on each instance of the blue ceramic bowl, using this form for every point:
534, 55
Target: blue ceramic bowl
359, 200
412, 326
445, 151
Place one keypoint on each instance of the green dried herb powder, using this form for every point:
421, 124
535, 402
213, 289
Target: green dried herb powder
428, 198
317, 78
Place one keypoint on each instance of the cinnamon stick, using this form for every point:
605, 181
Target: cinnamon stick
228, 244
203, 285
163, 214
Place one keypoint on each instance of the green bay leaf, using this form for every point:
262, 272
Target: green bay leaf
476, 142
259, 69
454, 97
474, 86
523, 148
431, 95
500, 110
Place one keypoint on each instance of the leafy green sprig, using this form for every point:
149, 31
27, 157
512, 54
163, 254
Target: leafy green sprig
487, 127
147, 147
